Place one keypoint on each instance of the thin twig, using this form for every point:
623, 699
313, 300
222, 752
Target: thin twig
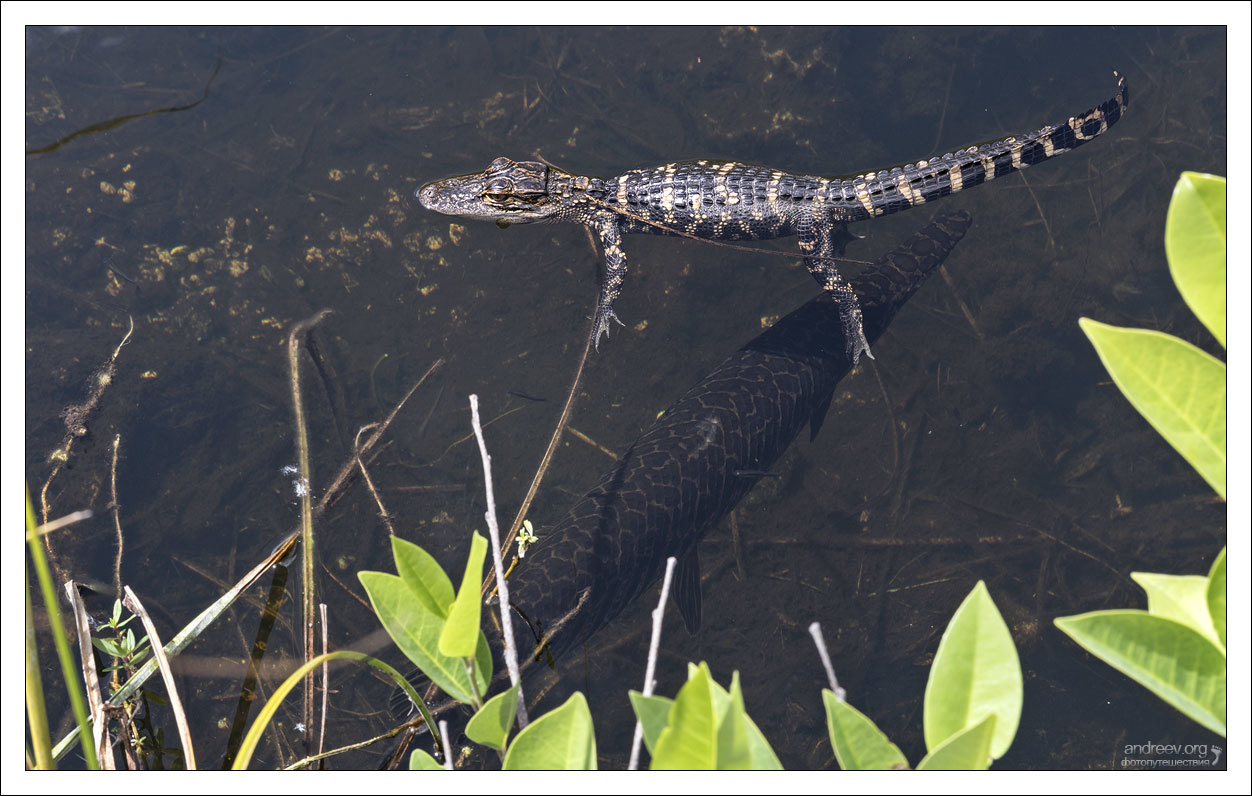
654, 647
552, 444
497, 559
298, 332
61, 522
392, 733
447, 749
369, 482
969, 316
117, 522
99, 723
576, 433
158, 651
815, 630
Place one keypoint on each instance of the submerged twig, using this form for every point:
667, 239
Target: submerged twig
654, 647
163, 664
352, 747
76, 417
815, 630
497, 559
369, 482
969, 316
345, 475
298, 332
251, 678
117, 522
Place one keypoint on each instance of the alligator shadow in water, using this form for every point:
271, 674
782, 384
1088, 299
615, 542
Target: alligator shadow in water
698, 459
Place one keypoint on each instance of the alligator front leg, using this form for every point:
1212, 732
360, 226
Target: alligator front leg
818, 240
610, 232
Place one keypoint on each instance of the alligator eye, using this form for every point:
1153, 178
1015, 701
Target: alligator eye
496, 198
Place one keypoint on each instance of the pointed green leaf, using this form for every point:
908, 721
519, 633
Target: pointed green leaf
416, 632
1195, 245
1216, 597
460, 634
561, 740
976, 671
1177, 388
653, 715
422, 573
490, 726
421, 760
858, 743
732, 732
761, 755
108, 646
690, 740
1183, 598
968, 750
1172, 660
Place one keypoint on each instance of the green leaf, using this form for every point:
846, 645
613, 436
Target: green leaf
422, 573
1178, 388
976, 671
416, 632
1195, 245
761, 755
732, 732
689, 742
1216, 596
561, 740
460, 634
1183, 598
490, 726
653, 715
968, 750
108, 646
421, 760
707, 728
858, 743
1172, 660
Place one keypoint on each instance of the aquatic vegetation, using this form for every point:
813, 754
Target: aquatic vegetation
1178, 388
972, 707
1176, 648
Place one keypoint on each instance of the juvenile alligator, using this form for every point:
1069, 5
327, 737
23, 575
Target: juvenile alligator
696, 461
726, 200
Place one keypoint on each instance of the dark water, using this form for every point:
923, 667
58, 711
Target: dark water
993, 450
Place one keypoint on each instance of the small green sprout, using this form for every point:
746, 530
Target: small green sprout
525, 538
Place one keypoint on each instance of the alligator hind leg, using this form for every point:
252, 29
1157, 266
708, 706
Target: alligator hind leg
819, 240
610, 233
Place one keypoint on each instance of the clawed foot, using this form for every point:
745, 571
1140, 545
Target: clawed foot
856, 344
853, 330
602, 325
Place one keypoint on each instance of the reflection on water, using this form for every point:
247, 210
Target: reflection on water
990, 447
